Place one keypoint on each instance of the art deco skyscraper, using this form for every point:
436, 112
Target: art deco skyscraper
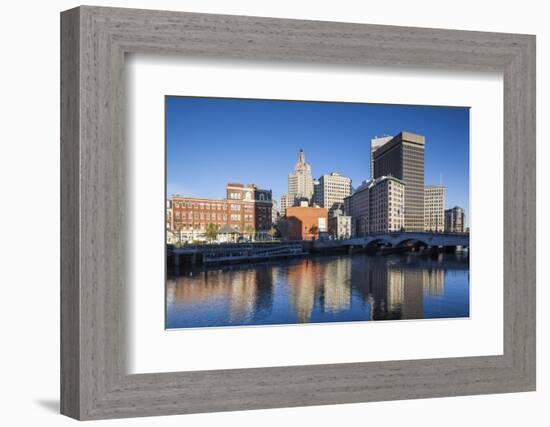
403, 158
300, 182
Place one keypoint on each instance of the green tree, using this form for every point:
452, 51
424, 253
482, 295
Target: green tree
314, 230
249, 231
211, 231
176, 232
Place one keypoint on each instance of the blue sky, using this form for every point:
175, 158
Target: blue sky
213, 141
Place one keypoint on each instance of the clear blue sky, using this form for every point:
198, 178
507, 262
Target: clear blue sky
213, 141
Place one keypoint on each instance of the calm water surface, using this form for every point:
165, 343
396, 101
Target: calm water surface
321, 289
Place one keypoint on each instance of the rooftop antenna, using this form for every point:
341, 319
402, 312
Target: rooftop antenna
440, 178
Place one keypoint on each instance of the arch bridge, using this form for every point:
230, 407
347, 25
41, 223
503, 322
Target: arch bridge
400, 239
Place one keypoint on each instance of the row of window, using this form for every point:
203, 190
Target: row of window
214, 206
201, 227
247, 196
200, 205
200, 215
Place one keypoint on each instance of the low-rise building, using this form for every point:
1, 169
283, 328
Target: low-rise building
455, 220
305, 223
339, 225
263, 215
246, 209
191, 216
170, 238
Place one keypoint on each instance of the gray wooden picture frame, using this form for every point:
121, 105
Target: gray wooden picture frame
94, 381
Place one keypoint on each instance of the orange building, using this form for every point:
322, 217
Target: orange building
305, 223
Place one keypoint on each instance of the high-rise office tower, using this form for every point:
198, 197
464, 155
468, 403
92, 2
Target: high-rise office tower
434, 208
375, 144
300, 181
403, 158
317, 193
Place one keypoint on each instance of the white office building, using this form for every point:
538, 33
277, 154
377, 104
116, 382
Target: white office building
377, 206
434, 208
331, 191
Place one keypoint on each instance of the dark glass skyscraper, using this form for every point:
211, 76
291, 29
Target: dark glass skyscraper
403, 157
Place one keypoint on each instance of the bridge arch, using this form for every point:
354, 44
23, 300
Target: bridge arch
378, 241
399, 239
414, 240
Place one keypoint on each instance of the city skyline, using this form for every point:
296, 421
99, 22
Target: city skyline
212, 141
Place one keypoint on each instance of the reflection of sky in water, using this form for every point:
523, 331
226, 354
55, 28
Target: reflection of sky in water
321, 289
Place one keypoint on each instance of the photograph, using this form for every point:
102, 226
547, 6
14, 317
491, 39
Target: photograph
286, 212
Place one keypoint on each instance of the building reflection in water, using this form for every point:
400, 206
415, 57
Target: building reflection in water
302, 282
239, 295
326, 284
319, 289
337, 286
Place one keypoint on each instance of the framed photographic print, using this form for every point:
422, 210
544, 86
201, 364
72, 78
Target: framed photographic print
306, 248
262, 213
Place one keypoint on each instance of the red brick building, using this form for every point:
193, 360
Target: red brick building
305, 223
246, 209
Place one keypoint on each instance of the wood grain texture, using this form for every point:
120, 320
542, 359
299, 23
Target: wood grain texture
95, 275
70, 221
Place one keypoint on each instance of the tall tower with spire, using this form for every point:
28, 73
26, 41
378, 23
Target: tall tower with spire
300, 181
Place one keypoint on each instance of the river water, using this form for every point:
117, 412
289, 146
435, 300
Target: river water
342, 288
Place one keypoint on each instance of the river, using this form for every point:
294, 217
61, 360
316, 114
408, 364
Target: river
342, 288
